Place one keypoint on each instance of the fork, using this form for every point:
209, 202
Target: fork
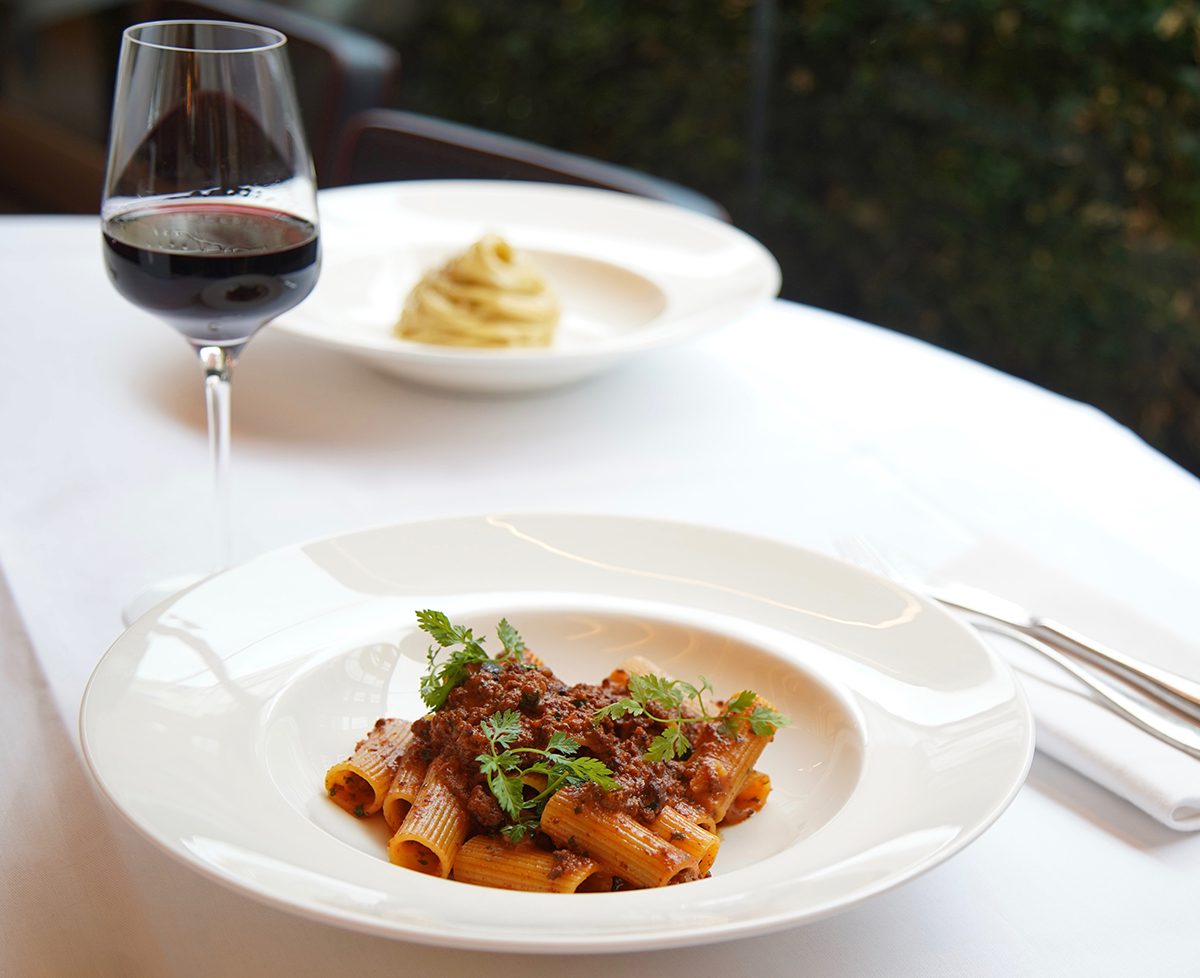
1177, 691
1147, 713
1170, 708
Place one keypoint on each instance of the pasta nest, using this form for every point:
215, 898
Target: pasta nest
491, 295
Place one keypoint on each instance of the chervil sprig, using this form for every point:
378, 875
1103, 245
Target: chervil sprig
765, 720
674, 703
464, 649
504, 769
513, 646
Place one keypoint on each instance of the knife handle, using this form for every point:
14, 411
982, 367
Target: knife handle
1147, 714
1176, 690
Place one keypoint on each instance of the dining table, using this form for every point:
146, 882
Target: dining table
788, 423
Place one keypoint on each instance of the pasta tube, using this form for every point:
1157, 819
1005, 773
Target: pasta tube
433, 830
725, 763
750, 799
360, 783
619, 843
487, 860
410, 775
693, 839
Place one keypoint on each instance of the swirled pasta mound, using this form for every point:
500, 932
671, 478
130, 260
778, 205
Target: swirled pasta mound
489, 296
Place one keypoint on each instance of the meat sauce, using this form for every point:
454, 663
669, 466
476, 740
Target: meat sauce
546, 706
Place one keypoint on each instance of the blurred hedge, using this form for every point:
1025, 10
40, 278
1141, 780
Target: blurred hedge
1019, 182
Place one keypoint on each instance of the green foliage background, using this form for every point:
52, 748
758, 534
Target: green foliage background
1019, 182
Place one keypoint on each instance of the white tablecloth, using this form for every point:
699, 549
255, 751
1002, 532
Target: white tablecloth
795, 423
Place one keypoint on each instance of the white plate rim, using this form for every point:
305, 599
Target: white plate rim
680, 935
353, 230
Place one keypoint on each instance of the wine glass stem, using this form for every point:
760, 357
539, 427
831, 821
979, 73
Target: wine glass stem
218, 369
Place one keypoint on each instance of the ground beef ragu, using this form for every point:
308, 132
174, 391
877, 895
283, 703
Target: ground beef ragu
546, 706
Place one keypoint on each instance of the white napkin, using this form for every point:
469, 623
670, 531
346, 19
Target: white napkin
1072, 727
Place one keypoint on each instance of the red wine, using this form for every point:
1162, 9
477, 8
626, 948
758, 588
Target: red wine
215, 272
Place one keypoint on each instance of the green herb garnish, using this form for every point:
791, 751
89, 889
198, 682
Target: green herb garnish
504, 767
464, 650
664, 700
514, 647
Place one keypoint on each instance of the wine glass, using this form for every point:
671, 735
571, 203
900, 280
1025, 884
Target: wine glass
209, 211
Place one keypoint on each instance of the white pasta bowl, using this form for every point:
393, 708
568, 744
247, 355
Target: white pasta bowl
632, 275
211, 722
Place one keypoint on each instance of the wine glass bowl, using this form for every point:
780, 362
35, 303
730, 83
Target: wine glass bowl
209, 208
209, 211
215, 272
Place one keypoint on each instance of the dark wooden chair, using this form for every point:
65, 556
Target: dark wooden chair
57, 70
388, 144
338, 71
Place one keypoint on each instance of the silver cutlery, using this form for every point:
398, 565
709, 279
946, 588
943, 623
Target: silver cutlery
1157, 700
1177, 691
1143, 711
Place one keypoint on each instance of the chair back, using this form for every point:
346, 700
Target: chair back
388, 144
338, 70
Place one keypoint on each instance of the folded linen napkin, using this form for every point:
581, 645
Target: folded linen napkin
1072, 727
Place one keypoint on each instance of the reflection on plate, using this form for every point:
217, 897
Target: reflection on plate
211, 721
632, 274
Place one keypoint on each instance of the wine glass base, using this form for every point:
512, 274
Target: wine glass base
156, 594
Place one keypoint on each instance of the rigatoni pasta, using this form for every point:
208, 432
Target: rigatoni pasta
517, 780
360, 783
725, 764
619, 843
680, 830
410, 775
434, 829
490, 860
